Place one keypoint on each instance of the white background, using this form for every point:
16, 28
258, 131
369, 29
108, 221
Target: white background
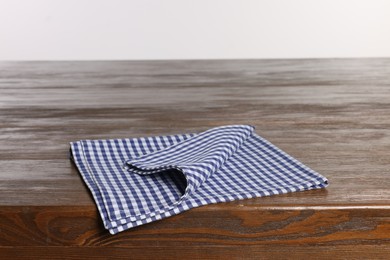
192, 29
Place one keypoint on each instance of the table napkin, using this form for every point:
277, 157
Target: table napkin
135, 181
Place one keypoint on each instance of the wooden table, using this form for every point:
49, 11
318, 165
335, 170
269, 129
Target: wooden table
331, 114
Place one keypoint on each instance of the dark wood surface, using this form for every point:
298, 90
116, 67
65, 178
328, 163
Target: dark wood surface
331, 114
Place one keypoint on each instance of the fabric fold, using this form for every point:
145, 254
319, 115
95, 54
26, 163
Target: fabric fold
135, 181
196, 158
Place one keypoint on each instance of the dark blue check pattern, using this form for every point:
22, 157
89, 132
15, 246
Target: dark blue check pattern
140, 180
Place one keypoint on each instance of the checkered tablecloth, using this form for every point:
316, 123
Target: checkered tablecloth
139, 180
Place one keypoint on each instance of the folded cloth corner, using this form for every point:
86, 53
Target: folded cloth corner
135, 181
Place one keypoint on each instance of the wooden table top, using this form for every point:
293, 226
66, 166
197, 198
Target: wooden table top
331, 114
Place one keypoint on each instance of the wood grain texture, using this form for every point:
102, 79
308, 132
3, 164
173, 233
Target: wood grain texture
331, 114
204, 252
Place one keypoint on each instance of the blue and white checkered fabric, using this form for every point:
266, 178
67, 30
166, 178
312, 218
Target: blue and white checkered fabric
140, 180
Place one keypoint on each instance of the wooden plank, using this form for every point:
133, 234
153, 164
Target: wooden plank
233, 223
332, 114
202, 252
